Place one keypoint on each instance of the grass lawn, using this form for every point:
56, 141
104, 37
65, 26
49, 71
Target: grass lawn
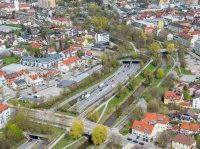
101, 109
125, 130
10, 60
68, 140
12, 25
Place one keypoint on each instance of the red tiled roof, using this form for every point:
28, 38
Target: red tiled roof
173, 95
21, 6
185, 104
2, 73
70, 60
190, 126
142, 126
183, 139
51, 49
195, 33
3, 107
36, 45
75, 45
68, 50
21, 72
159, 118
35, 76
89, 52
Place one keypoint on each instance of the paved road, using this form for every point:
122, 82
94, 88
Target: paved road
28, 145
89, 90
109, 86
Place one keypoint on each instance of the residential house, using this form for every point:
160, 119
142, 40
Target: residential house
151, 126
44, 62
5, 113
2, 81
189, 128
88, 54
186, 116
69, 63
181, 141
10, 78
37, 45
142, 23
51, 51
35, 79
165, 35
15, 43
173, 97
21, 84
185, 104
196, 102
178, 26
61, 21
68, 53
2, 40
71, 32
2, 47
19, 51
102, 38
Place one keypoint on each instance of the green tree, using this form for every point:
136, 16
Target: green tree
170, 48
119, 89
164, 139
77, 129
12, 131
99, 134
155, 47
160, 73
100, 23
18, 33
153, 106
93, 116
187, 95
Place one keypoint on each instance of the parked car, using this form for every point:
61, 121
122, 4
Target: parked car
141, 143
135, 141
129, 139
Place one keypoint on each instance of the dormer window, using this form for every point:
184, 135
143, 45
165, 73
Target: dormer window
138, 127
146, 129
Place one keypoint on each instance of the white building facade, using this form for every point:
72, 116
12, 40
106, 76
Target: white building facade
196, 103
5, 113
102, 37
197, 47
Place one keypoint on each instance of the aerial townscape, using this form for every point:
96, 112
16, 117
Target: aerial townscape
100, 74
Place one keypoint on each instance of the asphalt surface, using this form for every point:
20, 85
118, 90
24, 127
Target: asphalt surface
109, 86
88, 90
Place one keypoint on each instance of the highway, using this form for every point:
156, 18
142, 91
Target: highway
88, 90
108, 87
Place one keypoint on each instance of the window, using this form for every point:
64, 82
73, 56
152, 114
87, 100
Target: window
138, 127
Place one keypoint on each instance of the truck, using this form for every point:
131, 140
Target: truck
101, 85
87, 96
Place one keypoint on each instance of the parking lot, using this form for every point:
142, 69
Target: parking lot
51, 90
132, 138
193, 64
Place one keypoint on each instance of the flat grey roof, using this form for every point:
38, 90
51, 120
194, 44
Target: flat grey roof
14, 68
188, 78
7, 28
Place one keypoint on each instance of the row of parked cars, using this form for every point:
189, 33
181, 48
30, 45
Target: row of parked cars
137, 141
